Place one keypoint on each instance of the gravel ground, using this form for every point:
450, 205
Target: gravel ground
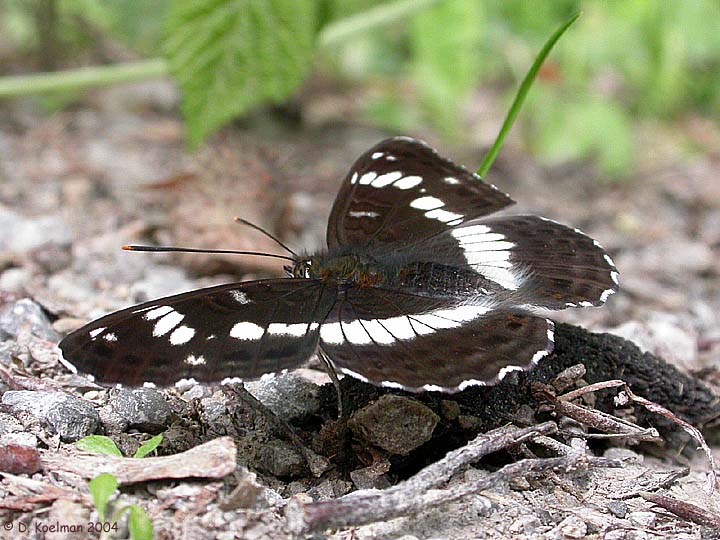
77, 185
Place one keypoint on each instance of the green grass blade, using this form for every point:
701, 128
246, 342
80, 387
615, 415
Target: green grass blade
521, 95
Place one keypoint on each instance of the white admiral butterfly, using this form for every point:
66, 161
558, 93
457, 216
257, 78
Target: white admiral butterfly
415, 291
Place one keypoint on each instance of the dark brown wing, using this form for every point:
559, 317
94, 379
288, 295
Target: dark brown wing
401, 190
238, 330
417, 343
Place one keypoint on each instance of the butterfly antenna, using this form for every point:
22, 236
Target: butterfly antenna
194, 250
260, 229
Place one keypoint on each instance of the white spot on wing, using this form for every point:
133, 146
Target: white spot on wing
443, 215
332, 333
246, 330
614, 277
489, 253
110, 336
94, 333
367, 178
346, 371
538, 355
450, 180
282, 329
193, 360
354, 178
408, 182
239, 296
606, 293
390, 157
377, 155
427, 203
181, 335
359, 214
609, 260
386, 179
167, 323
157, 312
508, 369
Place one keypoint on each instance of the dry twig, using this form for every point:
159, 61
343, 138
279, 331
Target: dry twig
684, 510
628, 396
213, 459
419, 492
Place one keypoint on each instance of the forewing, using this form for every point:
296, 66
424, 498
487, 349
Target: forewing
417, 344
528, 260
401, 190
238, 330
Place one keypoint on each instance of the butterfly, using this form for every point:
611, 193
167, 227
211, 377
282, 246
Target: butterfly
418, 289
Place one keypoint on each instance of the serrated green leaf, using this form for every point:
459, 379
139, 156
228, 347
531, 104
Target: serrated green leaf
149, 446
231, 55
140, 524
102, 488
99, 444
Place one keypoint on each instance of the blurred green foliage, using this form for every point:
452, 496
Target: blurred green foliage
623, 61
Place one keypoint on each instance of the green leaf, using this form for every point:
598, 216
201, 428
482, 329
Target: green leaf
231, 55
140, 524
99, 444
149, 446
102, 488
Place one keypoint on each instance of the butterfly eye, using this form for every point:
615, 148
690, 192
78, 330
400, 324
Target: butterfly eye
301, 269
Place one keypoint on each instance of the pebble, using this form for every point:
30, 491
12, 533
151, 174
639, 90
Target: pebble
198, 391
449, 410
623, 454
395, 423
142, 408
642, 519
573, 527
280, 459
525, 524
25, 315
288, 395
617, 508
66, 415
368, 478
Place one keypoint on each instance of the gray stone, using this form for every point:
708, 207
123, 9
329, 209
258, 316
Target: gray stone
643, 519
287, 395
573, 527
142, 408
395, 423
369, 478
25, 315
280, 459
198, 391
617, 508
66, 415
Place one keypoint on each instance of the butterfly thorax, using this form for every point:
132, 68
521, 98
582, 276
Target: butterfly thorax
341, 269
415, 275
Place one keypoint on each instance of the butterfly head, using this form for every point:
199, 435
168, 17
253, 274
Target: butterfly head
301, 269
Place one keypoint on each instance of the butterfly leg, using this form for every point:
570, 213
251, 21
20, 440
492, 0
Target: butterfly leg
330, 370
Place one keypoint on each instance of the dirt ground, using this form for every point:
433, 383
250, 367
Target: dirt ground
113, 170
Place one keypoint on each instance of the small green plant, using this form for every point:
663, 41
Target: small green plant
103, 487
100, 444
